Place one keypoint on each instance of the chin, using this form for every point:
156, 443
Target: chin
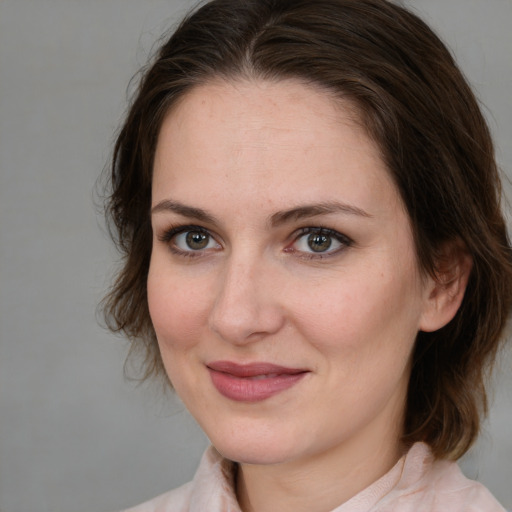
255, 454
255, 446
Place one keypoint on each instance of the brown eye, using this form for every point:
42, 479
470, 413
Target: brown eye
319, 242
190, 240
197, 240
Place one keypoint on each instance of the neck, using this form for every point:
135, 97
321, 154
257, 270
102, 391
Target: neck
316, 483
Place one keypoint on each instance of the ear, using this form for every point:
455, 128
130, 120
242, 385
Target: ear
444, 291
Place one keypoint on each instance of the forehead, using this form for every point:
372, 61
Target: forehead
260, 137
259, 109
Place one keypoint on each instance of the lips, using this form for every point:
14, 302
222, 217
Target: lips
252, 382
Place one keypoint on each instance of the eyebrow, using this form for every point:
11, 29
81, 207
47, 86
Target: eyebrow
276, 219
168, 205
313, 210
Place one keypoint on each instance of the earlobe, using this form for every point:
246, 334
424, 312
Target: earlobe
445, 290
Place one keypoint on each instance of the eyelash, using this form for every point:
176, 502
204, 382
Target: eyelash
344, 241
169, 234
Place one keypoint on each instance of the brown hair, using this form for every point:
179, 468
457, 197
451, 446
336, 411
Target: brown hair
418, 108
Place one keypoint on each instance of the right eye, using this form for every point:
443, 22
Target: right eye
189, 240
194, 241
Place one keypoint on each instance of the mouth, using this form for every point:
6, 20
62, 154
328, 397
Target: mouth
253, 382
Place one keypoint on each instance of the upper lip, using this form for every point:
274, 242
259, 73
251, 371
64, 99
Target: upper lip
252, 369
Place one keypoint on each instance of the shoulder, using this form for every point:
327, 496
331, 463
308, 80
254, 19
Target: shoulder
451, 489
177, 500
429, 485
212, 489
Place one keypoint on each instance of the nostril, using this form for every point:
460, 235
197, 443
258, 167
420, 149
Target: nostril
244, 322
246, 307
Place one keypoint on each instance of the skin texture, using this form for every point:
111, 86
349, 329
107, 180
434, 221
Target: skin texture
244, 153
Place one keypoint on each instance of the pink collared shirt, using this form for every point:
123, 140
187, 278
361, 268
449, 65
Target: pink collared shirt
417, 483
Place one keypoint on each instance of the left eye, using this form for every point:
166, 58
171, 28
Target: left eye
320, 241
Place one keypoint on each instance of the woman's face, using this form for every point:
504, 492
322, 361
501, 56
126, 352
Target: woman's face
283, 284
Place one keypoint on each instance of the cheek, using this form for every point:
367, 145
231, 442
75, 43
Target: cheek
367, 314
178, 309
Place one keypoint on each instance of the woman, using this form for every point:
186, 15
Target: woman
308, 203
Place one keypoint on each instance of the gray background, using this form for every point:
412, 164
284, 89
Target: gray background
74, 436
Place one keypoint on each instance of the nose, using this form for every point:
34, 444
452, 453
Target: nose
247, 307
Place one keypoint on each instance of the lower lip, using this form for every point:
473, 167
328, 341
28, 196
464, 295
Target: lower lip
246, 389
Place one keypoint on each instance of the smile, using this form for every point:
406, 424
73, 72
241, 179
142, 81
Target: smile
253, 382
